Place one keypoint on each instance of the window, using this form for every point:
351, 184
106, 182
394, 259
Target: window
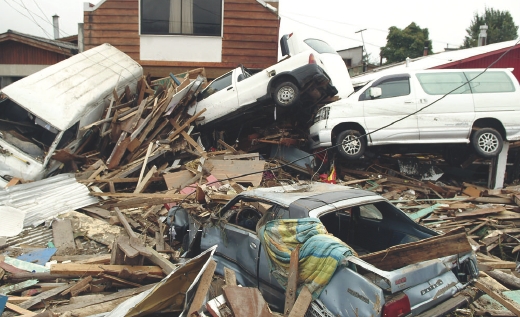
489, 82
390, 87
189, 17
218, 84
443, 83
320, 46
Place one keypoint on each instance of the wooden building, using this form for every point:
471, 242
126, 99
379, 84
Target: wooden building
23, 54
172, 36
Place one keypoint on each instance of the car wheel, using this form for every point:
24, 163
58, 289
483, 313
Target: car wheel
286, 94
350, 145
487, 142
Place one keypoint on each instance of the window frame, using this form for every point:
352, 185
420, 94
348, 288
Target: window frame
385, 79
221, 34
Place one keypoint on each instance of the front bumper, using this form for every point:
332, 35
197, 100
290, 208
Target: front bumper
320, 135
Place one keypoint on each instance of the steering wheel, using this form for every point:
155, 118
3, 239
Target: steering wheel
248, 217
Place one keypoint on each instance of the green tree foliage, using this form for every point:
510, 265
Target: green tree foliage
408, 42
501, 27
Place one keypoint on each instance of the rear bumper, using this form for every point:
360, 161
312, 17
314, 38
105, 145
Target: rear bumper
461, 299
314, 75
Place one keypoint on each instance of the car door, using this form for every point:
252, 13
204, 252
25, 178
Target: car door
395, 103
447, 118
219, 98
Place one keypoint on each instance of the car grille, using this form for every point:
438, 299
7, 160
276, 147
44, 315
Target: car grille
317, 309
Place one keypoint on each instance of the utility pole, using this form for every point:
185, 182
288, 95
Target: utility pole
364, 49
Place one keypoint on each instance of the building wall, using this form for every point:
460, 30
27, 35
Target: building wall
12, 52
250, 38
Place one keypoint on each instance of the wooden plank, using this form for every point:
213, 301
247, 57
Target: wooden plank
107, 298
202, 289
302, 303
246, 301
292, 281
118, 280
141, 186
43, 296
63, 235
79, 285
242, 156
89, 269
230, 277
405, 254
175, 180
228, 169
480, 211
19, 310
100, 259
509, 280
499, 297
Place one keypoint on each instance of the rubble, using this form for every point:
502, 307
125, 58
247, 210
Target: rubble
108, 208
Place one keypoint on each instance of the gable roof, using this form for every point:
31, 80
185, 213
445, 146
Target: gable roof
432, 61
65, 48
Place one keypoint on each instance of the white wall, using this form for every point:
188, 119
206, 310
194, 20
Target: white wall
181, 48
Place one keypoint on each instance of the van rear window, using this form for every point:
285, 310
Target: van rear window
320, 46
489, 82
443, 83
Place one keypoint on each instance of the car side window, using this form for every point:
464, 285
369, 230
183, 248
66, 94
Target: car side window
217, 85
390, 88
443, 83
370, 211
490, 82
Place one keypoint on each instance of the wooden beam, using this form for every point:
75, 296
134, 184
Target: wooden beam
89, 269
405, 254
302, 303
292, 281
499, 297
202, 289
230, 277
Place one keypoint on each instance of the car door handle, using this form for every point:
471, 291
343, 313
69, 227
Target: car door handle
409, 101
230, 88
252, 245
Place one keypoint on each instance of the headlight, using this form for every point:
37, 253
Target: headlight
322, 114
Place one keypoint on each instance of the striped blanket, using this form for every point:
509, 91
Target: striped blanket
320, 252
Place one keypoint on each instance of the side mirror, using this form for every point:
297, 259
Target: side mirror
375, 92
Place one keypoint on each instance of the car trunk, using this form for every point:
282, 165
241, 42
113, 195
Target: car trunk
374, 230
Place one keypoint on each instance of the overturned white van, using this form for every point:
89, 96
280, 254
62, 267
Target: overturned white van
44, 112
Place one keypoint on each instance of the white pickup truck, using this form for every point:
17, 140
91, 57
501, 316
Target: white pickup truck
298, 80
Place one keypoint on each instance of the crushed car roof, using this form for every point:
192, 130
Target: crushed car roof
307, 196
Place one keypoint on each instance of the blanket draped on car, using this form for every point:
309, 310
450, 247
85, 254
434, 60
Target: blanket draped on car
320, 252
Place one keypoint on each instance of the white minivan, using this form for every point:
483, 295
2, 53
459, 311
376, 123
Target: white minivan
44, 112
476, 106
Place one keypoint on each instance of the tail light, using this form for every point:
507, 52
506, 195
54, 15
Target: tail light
312, 60
397, 307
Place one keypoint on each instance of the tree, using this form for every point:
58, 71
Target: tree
501, 27
409, 42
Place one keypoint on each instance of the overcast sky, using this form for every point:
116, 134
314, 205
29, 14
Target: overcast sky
335, 21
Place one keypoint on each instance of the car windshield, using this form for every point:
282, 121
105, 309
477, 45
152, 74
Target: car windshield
320, 46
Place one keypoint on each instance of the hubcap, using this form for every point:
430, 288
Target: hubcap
286, 95
350, 145
488, 142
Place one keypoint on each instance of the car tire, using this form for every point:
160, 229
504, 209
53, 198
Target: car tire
487, 142
286, 94
349, 149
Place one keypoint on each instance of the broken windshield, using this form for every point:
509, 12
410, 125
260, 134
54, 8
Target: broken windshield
26, 132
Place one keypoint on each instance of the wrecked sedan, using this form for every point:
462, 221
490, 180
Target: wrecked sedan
296, 80
357, 219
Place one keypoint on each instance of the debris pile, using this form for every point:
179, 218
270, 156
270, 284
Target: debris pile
111, 250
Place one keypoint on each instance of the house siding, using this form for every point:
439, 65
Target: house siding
510, 60
250, 36
24, 54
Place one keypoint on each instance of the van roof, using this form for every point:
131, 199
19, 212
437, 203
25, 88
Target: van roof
63, 93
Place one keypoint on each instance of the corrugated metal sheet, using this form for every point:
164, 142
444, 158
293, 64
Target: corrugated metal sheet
38, 236
63, 93
435, 60
47, 198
